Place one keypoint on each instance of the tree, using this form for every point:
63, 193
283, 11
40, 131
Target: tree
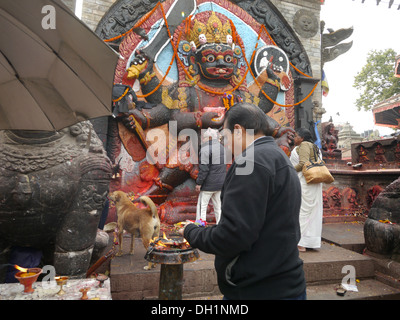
376, 81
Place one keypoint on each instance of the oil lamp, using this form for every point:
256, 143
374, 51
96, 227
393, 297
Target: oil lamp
27, 277
61, 281
101, 278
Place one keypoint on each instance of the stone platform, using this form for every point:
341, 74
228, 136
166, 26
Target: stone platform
342, 246
15, 291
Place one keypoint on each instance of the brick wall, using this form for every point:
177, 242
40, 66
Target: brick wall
92, 11
70, 4
288, 9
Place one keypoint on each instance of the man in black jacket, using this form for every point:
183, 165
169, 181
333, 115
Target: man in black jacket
212, 172
255, 242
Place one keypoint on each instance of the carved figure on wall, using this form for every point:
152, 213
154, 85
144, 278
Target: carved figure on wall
123, 17
329, 142
362, 155
380, 154
305, 23
382, 229
52, 190
335, 197
350, 198
211, 77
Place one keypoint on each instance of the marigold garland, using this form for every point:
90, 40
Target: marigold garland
123, 95
228, 100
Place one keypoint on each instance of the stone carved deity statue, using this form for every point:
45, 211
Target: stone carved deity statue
52, 191
329, 142
211, 71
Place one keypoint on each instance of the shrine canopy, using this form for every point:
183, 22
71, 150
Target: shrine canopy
387, 112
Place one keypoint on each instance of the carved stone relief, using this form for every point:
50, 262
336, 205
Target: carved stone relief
123, 15
305, 23
52, 191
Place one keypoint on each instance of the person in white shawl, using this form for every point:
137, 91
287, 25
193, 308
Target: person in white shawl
311, 210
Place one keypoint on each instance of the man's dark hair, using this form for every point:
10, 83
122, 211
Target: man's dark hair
305, 134
248, 116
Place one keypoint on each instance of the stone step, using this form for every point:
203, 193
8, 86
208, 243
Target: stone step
343, 245
348, 235
323, 269
368, 289
325, 264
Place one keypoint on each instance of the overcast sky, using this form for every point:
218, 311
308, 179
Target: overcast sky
375, 28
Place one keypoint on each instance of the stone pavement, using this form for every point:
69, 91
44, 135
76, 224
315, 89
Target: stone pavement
343, 243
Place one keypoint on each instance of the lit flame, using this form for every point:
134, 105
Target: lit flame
165, 242
20, 268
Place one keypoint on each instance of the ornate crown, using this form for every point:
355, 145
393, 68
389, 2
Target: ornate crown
211, 32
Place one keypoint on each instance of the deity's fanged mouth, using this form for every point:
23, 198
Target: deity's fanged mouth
220, 71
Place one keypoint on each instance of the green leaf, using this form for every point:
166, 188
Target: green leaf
376, 81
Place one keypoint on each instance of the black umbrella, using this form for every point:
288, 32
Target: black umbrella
54, 71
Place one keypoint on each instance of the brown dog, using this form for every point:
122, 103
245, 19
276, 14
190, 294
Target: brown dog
133, 219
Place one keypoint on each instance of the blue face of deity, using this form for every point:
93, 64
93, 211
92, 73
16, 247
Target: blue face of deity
216, 61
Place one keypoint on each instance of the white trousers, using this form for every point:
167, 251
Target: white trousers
202, 204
